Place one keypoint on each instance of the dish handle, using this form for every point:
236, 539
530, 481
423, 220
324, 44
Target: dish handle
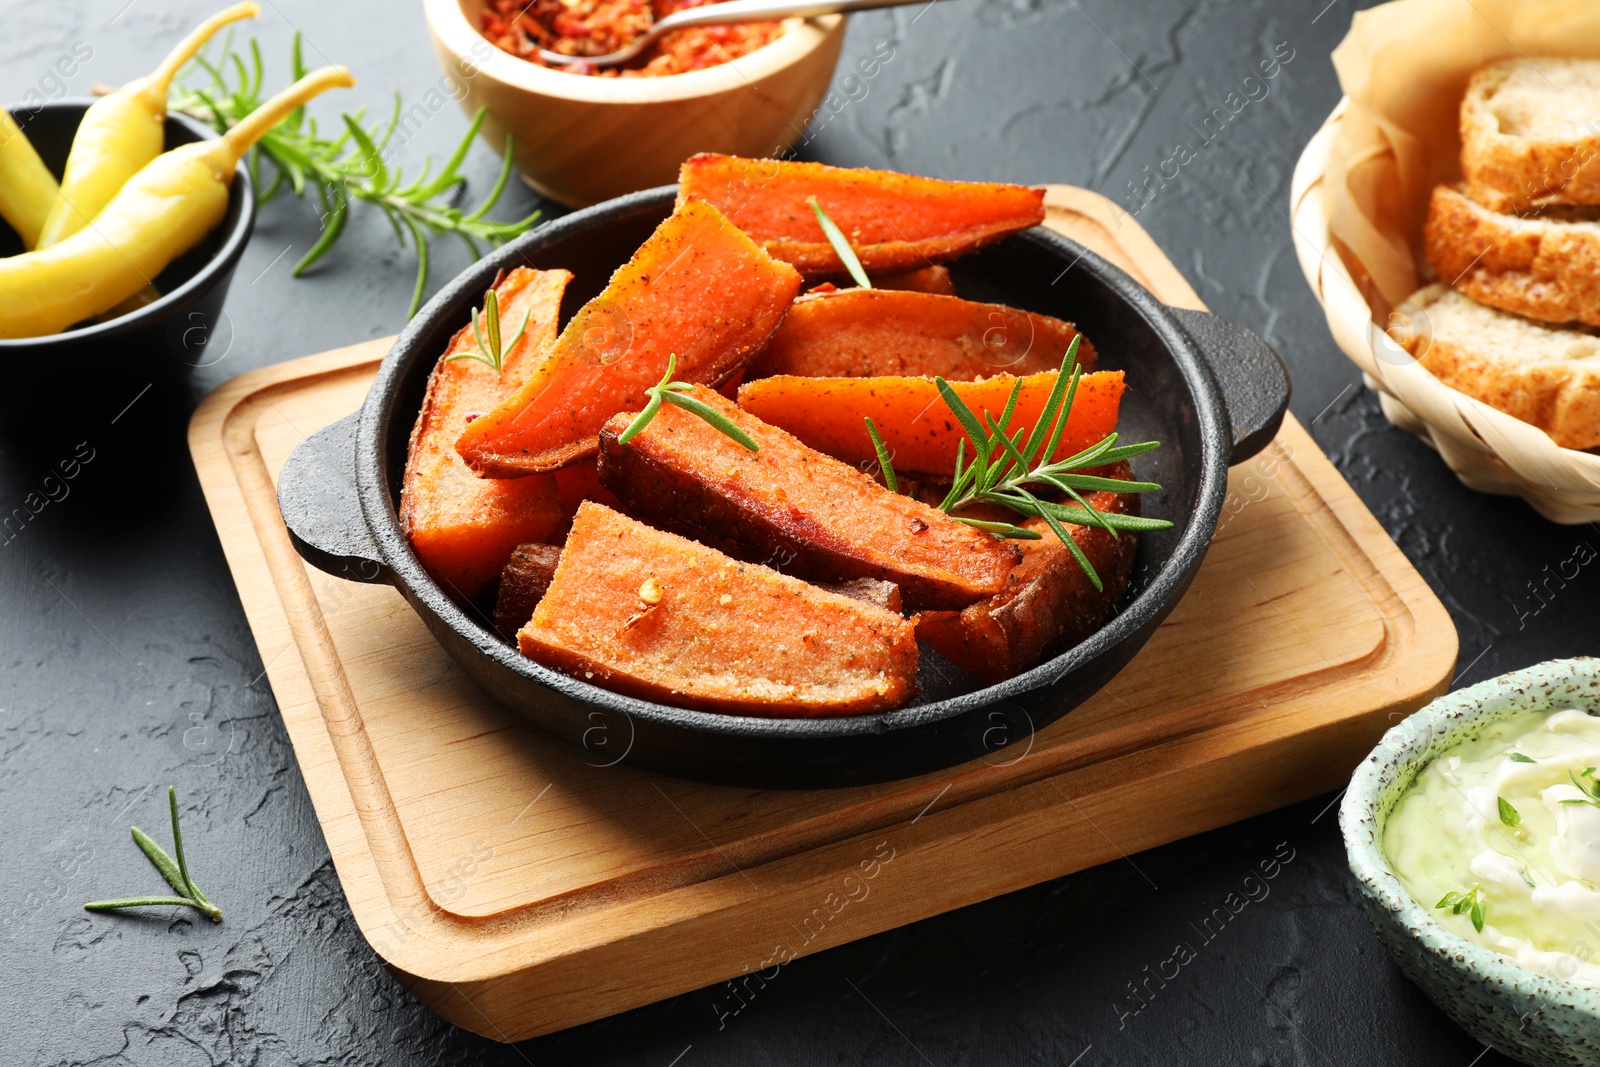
1252, 377
318, 500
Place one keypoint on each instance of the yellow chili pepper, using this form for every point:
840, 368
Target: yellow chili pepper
161, 213
122, 132
27, 188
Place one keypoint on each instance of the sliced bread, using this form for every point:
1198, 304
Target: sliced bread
1547, 377
1530, 133
1545, 265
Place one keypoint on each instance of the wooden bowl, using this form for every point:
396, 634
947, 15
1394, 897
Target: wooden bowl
580, 140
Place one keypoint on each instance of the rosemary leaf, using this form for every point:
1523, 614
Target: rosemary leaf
641, 420
1052, 406
1095, 484
1001, 529
159, 857
841, 245
711, 415
885, 464
1122, 452
140, 902
422, 267
1066, 539
177, 845
1115, 520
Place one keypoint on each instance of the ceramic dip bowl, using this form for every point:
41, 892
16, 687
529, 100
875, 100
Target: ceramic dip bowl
1531, 1017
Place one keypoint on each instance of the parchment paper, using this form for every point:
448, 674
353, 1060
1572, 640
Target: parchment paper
1404, 67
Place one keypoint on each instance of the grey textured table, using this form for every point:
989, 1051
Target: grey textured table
121, 628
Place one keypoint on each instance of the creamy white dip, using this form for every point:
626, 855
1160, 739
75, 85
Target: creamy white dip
1532, 864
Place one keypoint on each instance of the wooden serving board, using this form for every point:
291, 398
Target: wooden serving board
518, 887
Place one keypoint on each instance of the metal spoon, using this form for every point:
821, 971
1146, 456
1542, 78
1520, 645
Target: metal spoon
725, 14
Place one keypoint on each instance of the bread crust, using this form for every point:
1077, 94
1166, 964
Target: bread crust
1507, 172
1527, 380
1544, 268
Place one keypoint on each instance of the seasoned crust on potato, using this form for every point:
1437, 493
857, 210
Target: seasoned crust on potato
698, 289
897, 222
463, 527
660, 617
794, 508
866, 333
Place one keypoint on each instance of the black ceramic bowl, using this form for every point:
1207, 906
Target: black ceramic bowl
1211, 392
164, 339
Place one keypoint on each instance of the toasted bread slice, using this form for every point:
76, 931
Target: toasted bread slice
660, 617
1530, 133
1546, 376
1545, 265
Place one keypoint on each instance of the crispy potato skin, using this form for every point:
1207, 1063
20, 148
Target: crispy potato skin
865, 333
697, 288
884, 594
720, 635
523, 583
934, 279
896, 223
795, 509
1048, 604
917, 426
462, 527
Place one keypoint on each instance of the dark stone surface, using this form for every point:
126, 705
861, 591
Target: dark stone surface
122, 630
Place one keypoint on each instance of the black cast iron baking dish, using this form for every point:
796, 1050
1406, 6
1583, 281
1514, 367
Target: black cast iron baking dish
1212, 392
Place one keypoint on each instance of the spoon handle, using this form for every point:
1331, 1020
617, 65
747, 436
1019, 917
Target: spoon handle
733, 11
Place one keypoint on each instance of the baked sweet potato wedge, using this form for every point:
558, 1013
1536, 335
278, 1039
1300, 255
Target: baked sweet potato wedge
895, 222
916, 424
863, 333
1048, 603
935, 279
523, 582
697, 287
462, 527
794, 508
660, 617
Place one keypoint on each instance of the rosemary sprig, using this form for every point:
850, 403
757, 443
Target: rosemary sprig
349, 167
175, 871
489, 349
671, 392
1471, 902
841, 244
1005, 465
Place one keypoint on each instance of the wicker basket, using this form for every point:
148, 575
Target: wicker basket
1488, 450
